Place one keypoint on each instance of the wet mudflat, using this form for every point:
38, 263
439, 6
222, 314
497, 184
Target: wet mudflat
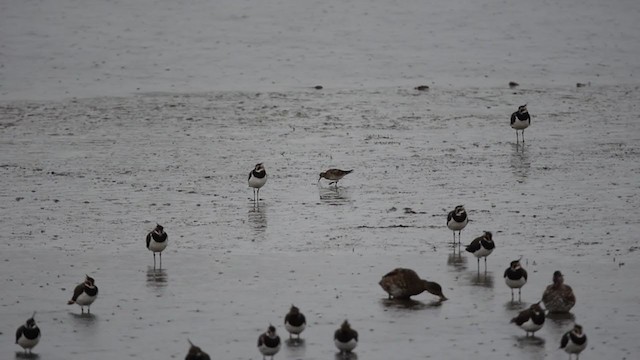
83, 180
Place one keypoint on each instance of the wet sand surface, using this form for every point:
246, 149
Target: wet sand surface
84, 180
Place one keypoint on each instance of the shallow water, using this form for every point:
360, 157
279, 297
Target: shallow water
83, 180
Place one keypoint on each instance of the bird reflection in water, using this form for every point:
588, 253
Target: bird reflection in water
23, 355
484, 279
456, 260
409, 304
334, 196
156, 278
257, 218
346, 356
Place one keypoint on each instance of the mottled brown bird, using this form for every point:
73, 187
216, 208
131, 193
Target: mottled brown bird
404, 283
334, 175
558, 297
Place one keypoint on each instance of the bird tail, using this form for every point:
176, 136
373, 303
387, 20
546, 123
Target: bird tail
70, 302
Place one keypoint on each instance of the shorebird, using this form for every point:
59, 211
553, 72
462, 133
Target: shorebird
456, 221
345, 338
195, 353
334, 175
558, 297
531, 319
156, 242
269, 343
520, 120
574, 341
294, 322
404, 283
257, 179
28, 335
515, 277
481, 247
85, 294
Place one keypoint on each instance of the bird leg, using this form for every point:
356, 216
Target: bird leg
522, 136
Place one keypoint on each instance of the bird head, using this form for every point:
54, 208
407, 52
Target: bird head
515, 264
89, 281
345, 326
271, 331
159, 228
558, 278
577, 329
434, 288
31, 322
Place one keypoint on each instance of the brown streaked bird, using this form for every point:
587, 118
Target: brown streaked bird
558, 297
404, 283
195, 353
334, 175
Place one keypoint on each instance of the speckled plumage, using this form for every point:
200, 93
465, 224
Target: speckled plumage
558, 297
403, 283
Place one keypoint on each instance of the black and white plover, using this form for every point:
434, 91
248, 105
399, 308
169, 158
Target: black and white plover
85, 294
558, 297
531, 319
28, 335
345, 338
515, 277
257, 179
156, 242
295, 322
195, 353
456, 221
520, 120
574, 341
269, 342
404, 283
482, 247
334, 175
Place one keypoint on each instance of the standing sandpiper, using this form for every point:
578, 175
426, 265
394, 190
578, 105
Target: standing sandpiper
257, 179
334, 175
515, 277
85, 294
345, 338
520, 120
295, 322
574, 341
456, 221
481, 247
269, 342
28, 335
156, 242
